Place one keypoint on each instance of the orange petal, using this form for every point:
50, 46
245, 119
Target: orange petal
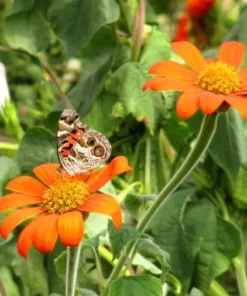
26, 184
172, 70
83, 176
243, 76
116, 167
103, 204
211, 60
190, 54
47, 173
188, 104
45, 236
210, 102
17, 217
15, 200
161, 83
232, 53
25, 239
71, 228
239, 103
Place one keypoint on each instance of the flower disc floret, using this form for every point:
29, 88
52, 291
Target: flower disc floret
219, 78
65, 195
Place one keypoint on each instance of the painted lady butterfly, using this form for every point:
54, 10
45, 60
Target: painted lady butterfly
79, 147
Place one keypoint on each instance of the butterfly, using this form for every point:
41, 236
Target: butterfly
79, 147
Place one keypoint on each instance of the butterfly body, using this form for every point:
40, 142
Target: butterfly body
79, 147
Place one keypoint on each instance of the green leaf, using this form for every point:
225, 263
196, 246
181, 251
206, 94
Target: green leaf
169, 234
76, 21
229, 144
27, 30
98, 49
195, 292
150, 165
140, 260
20, 6
32, 272
133, 202
157, 48
83, 94
144, 285
95, 224
150, 250
220, 242
86, 292
240, 194
10, 287
99, 117
60, 264
120, 238
88, 276
9, 170
37, 146
126, 83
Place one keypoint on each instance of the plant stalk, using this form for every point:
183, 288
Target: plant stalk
138, 30
9, 146
73, 256
239, 265
205, 136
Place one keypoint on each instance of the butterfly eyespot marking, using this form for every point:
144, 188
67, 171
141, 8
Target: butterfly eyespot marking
80, 148
99, 151
91, 141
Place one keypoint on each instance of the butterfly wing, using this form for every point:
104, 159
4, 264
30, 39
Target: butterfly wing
80, 148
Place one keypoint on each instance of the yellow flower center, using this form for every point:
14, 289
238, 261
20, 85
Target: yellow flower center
219, 78
65, 196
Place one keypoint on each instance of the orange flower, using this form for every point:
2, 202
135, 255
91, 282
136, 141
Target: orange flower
59, 202
208, 83
182, 33
199, 8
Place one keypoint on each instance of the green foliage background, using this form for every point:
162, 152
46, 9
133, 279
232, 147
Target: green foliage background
89, 48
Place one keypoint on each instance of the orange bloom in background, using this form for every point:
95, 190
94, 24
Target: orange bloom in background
193, 23
58, 202
207, 84
199, 8
183, 28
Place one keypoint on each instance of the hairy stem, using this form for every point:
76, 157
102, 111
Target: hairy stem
57, 85
239, 264
205, 136
9, 146
73, 256
138, 30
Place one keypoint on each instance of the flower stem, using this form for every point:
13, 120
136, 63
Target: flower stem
205, 136
239, 264
138, 30
73, 256
204, 139
216, 289
8, 146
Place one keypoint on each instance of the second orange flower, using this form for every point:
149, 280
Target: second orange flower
206, 84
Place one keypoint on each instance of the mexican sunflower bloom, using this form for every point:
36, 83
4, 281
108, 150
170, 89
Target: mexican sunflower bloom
58, 203
206, 84
199, 8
